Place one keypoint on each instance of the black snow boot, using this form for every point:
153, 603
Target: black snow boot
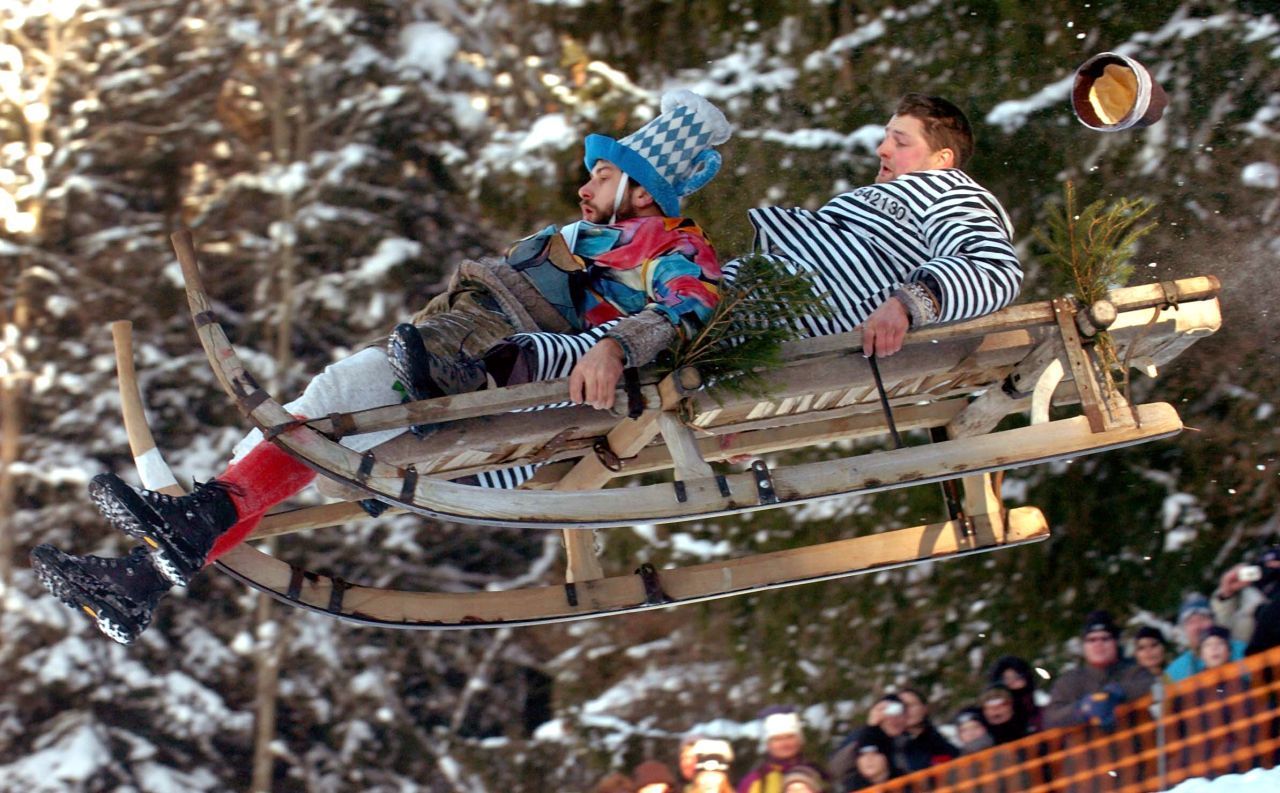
426, 375
119, 594
180, 530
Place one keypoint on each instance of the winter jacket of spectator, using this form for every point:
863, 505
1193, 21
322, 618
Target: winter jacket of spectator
1027, 711
978, 745
856, 782
927, 749
1189, 663
1012, 730
936, 240
1238, 612
1266, 631
1078, 683
767, 777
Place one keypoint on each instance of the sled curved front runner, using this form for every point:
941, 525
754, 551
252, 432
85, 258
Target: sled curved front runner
957, 382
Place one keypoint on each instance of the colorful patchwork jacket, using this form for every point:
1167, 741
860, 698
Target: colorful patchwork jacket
649, 279
659, 263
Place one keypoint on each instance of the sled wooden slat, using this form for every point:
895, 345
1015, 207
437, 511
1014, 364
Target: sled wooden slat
1155, 335
657, 458
603, 596
796, 484
1027, 315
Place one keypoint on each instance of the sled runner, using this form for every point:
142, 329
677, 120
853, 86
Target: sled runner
957, 382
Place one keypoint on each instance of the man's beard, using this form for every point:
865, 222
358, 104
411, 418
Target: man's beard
625, 211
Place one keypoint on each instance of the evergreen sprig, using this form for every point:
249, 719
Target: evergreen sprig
755, 316
1089, 253
1090, 250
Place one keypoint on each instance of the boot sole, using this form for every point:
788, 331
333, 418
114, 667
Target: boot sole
127, 511
81, 592
403, 339
427, 372
432, 372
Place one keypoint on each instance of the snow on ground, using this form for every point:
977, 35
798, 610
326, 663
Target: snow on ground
1258, 780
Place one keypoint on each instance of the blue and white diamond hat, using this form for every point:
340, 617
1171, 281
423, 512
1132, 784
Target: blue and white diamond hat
670, 156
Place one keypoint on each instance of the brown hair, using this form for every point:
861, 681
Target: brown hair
945, 125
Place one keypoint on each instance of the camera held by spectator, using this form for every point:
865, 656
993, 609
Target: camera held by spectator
711, 769
1247, 601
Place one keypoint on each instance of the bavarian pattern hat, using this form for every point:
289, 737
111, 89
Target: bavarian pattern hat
670, 156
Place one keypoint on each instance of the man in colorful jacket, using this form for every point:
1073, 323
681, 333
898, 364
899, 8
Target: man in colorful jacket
630, 276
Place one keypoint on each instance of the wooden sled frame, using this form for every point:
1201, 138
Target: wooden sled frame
1031, 348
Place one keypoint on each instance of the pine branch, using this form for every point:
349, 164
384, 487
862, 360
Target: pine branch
754, 318
1090, 252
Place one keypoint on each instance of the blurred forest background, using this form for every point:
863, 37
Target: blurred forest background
335, 159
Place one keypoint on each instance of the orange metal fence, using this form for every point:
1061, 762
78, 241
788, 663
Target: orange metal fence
1221, 721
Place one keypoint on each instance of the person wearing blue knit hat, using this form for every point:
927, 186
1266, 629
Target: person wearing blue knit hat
1195, 618
617, 288
670, 157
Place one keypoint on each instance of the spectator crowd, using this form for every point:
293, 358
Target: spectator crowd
1241, 617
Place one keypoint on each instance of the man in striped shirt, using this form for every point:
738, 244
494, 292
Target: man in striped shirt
924, 244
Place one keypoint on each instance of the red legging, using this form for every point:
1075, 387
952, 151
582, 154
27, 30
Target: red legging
261, 479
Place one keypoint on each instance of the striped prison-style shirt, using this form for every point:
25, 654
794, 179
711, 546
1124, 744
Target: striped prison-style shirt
939, 229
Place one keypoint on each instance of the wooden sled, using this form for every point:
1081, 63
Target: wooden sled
957, 381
